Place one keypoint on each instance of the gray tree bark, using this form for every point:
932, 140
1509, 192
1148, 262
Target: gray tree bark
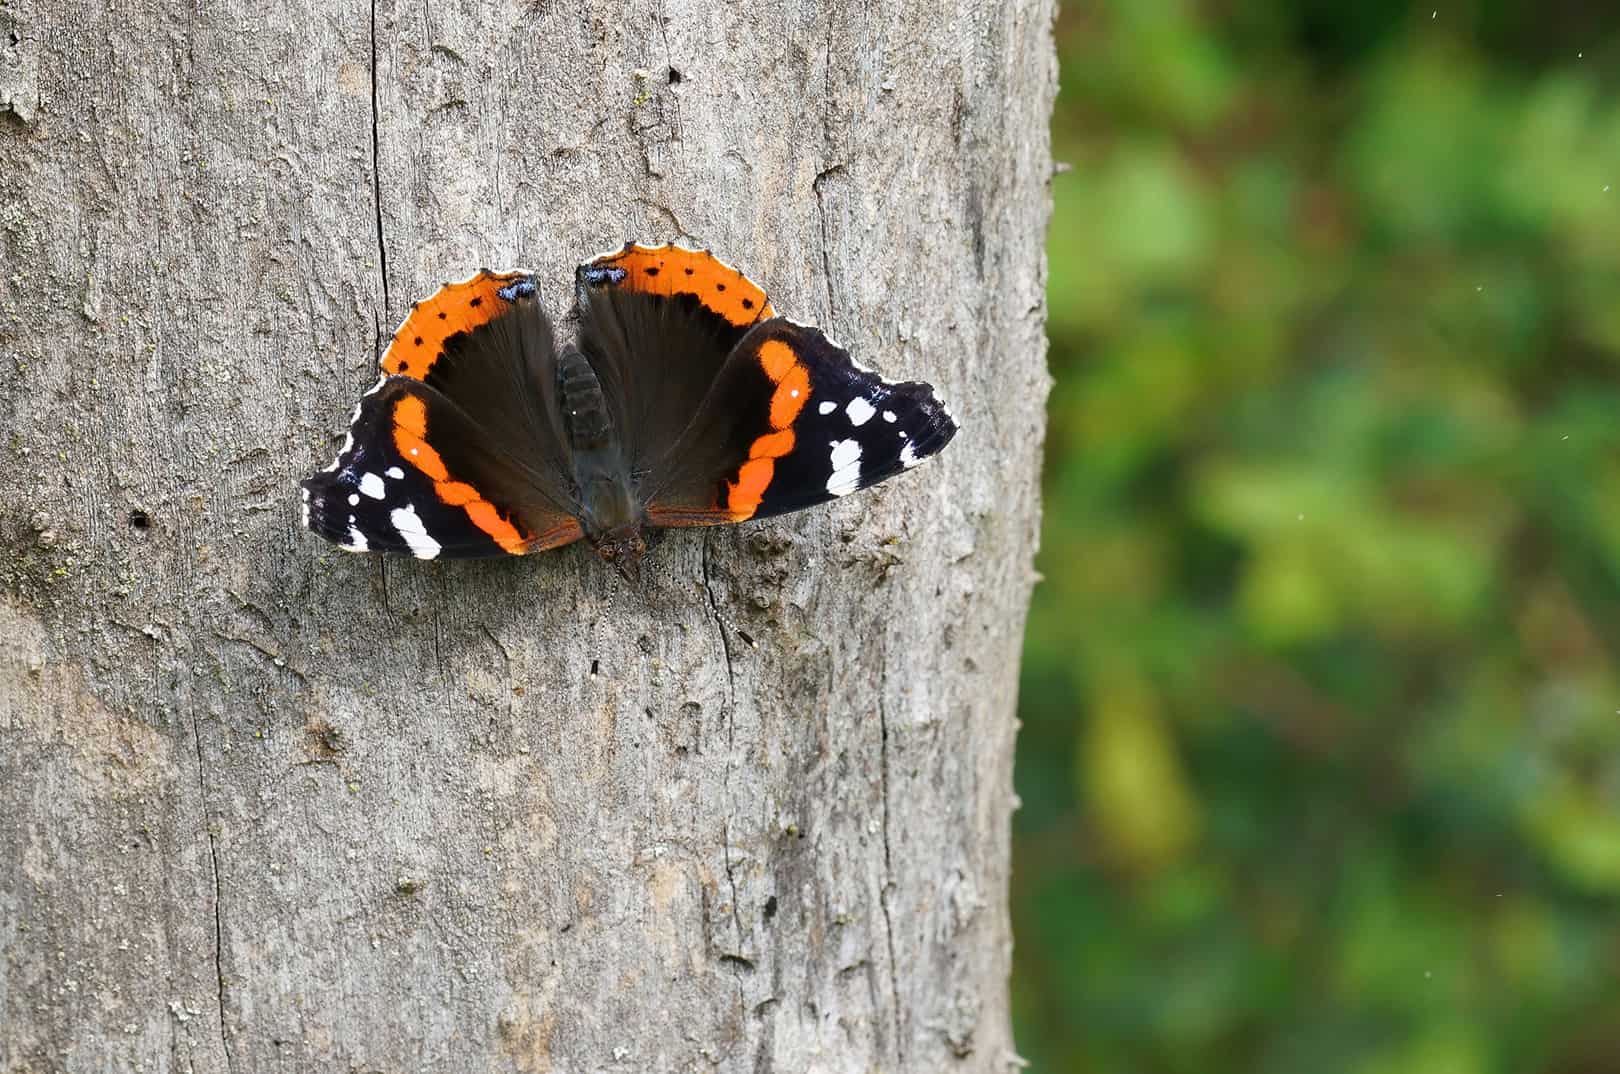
264, 805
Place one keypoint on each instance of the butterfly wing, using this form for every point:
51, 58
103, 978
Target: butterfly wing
789, 421
465, 458
455, 309
676, 272
656, 323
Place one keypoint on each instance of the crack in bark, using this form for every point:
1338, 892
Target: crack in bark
888, 876
376, 321
826, 241
219, 920
438, 651
725, 785
506, 661
831, 169
736, 918
376, 166
725, 643
735, 961
669, 65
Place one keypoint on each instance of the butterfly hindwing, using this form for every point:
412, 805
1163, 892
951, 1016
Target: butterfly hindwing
655, 356
789, 422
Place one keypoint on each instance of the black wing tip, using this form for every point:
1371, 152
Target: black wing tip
327, 515
935, 425
329, 525
934, 428
937, 415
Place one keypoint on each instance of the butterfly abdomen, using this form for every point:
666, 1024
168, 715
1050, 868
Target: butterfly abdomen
600, 472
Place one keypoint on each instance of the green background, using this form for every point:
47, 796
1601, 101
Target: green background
1320, 764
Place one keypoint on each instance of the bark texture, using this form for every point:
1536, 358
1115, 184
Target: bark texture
264, 805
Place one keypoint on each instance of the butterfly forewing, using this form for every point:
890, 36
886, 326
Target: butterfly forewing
418, 343
676, 272
465, 461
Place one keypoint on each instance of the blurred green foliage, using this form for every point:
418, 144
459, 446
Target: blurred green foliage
1320, 763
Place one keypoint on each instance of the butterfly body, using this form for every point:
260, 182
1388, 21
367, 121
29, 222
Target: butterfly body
685, 402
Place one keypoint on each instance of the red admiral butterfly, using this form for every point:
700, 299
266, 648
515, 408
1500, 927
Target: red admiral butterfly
686, 401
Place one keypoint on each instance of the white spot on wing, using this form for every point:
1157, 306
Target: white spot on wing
394, 472
356, 541
908, 456
372, 486
827, 408
860, 411
846, 467
889, 416
354, 498
409, 525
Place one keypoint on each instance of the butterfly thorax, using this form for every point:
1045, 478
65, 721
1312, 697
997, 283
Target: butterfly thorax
608, 507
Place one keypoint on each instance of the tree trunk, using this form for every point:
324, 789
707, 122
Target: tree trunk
264, 805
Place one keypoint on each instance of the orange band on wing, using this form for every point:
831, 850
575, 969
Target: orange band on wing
789, 397
671, 270
792, 380
455, 307
773, 446
456, 493
487, 518
749, 488
777, 358
410, 426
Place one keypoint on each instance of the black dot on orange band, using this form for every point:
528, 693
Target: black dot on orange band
748, 303
652, 272
476, 302
418, 341
442, 315
689, 272
719, 287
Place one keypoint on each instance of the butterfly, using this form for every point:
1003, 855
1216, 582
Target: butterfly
684, 400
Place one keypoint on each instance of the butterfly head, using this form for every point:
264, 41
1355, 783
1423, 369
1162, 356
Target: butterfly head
623, 547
